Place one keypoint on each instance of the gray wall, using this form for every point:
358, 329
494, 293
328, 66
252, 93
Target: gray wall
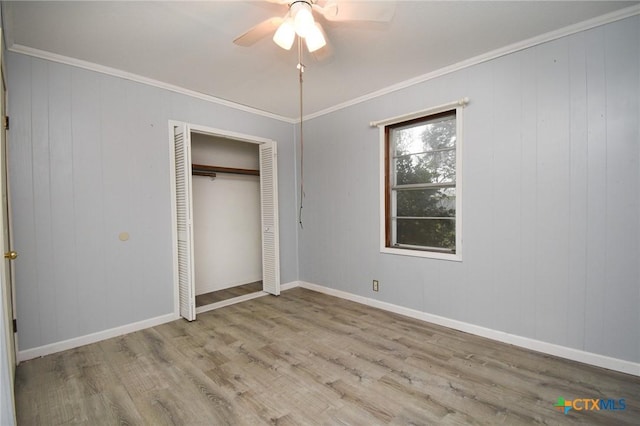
551, 196
89, 158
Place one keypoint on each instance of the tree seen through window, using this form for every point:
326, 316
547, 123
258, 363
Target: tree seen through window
423, 182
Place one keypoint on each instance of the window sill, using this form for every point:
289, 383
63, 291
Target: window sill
420, 253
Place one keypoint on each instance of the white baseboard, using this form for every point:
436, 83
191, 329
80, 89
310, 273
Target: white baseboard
500, 336
524, 342
211, 288
242, 298
75, 342
228, 302
289, 286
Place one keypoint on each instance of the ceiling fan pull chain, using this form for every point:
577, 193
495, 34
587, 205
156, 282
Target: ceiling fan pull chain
300, 71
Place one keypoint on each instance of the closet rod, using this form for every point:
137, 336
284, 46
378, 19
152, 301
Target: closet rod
203, 170
200, 173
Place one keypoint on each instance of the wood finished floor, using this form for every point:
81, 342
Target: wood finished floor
228, 293
306, 358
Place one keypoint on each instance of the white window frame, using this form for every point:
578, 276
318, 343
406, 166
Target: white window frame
382, 124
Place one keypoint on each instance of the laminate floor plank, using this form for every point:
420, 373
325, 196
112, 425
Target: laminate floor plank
113, 406
313, 359
228, 293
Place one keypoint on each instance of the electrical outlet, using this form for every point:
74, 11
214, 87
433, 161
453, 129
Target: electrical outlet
376, 285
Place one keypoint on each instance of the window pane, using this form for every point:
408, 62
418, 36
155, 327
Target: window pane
427, 232
426, 136
421, 183
434, 167
433, 202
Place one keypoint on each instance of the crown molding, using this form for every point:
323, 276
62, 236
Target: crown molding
494, 54
54, 57
512, 48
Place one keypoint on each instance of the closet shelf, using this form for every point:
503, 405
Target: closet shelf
203, 170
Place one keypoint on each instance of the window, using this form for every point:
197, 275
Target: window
422, 186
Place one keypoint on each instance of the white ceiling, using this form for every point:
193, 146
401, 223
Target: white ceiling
189, 44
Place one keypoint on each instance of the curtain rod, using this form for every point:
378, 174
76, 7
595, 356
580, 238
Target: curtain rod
405, 117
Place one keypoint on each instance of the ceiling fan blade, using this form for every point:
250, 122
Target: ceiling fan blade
371, 11
258, 32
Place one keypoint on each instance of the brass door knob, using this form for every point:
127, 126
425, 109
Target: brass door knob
11, 255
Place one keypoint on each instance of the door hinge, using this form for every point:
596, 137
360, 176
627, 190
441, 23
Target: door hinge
5, 122
15, 325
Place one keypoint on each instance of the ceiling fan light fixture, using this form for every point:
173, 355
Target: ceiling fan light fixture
285, 35
303, 19
315, 38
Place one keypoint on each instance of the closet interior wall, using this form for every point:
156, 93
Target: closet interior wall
226, 215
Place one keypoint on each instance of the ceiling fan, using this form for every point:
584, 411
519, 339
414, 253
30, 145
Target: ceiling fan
299, 20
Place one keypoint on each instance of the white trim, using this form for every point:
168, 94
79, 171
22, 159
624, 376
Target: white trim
460, 142
75, 342
94, 337
428, 111
381, 124
603, 361
54, 57
243, 298
457, 257
228, 134
512, 48
591, 358
229, 302
203, 130
228, 285
290, 285
494, 54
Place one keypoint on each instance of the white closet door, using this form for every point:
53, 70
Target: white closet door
269, 202
184, 215
7, 337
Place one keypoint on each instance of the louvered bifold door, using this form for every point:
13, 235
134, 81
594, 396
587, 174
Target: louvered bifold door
184, 216
269, 202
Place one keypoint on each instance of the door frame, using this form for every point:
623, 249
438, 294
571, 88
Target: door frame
7, 282
215, 132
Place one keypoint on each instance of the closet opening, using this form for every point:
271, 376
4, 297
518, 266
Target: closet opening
226, 218
226, 233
